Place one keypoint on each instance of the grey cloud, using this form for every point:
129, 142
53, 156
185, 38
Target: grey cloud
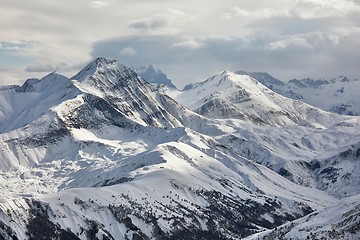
147, 23
166, 22
318, 9
17, 45
161, 50
60, 67
184, 64
276, 36
296, 25
292, 57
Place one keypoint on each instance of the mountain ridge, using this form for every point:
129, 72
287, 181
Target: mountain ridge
230, 95
107, 156
335, 95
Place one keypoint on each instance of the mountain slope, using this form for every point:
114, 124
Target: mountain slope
106, 156
22, 105
302, 135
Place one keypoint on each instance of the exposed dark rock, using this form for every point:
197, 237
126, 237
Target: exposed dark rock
40, 227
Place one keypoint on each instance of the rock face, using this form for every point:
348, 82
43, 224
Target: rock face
153, 76
105, 155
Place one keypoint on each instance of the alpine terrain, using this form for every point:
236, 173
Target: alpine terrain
107, 155
338, 95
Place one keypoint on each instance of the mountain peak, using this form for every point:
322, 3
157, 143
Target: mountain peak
154, 76
101, 62
150, 68
227, 78
48, 82
104, 73
93, 67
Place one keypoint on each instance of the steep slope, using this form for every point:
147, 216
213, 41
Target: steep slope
264, 78
338, 171
124, 90
116, 159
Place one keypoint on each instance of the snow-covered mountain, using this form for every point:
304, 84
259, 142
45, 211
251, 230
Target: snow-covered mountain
154, 76
230, 95
104, 155
338, 95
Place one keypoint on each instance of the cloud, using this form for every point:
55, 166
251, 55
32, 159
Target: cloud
190, 39
324, 8
191, 44
99, 4
261, 13
290, 42
303, 9
167, 22
127, 52
304, 55
60, 67
17, 46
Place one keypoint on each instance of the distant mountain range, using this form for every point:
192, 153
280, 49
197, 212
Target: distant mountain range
337, 95
107, 155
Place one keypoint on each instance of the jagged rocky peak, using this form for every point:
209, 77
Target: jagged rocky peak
106, 72
121, 88
154, 76
92, 68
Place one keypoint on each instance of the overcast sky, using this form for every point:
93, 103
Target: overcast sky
189, 40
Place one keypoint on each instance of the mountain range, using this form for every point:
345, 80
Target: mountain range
336, 95
107, 155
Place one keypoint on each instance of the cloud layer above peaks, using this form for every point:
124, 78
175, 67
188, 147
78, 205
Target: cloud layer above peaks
189, 40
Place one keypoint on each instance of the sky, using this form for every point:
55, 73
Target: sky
188, 40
